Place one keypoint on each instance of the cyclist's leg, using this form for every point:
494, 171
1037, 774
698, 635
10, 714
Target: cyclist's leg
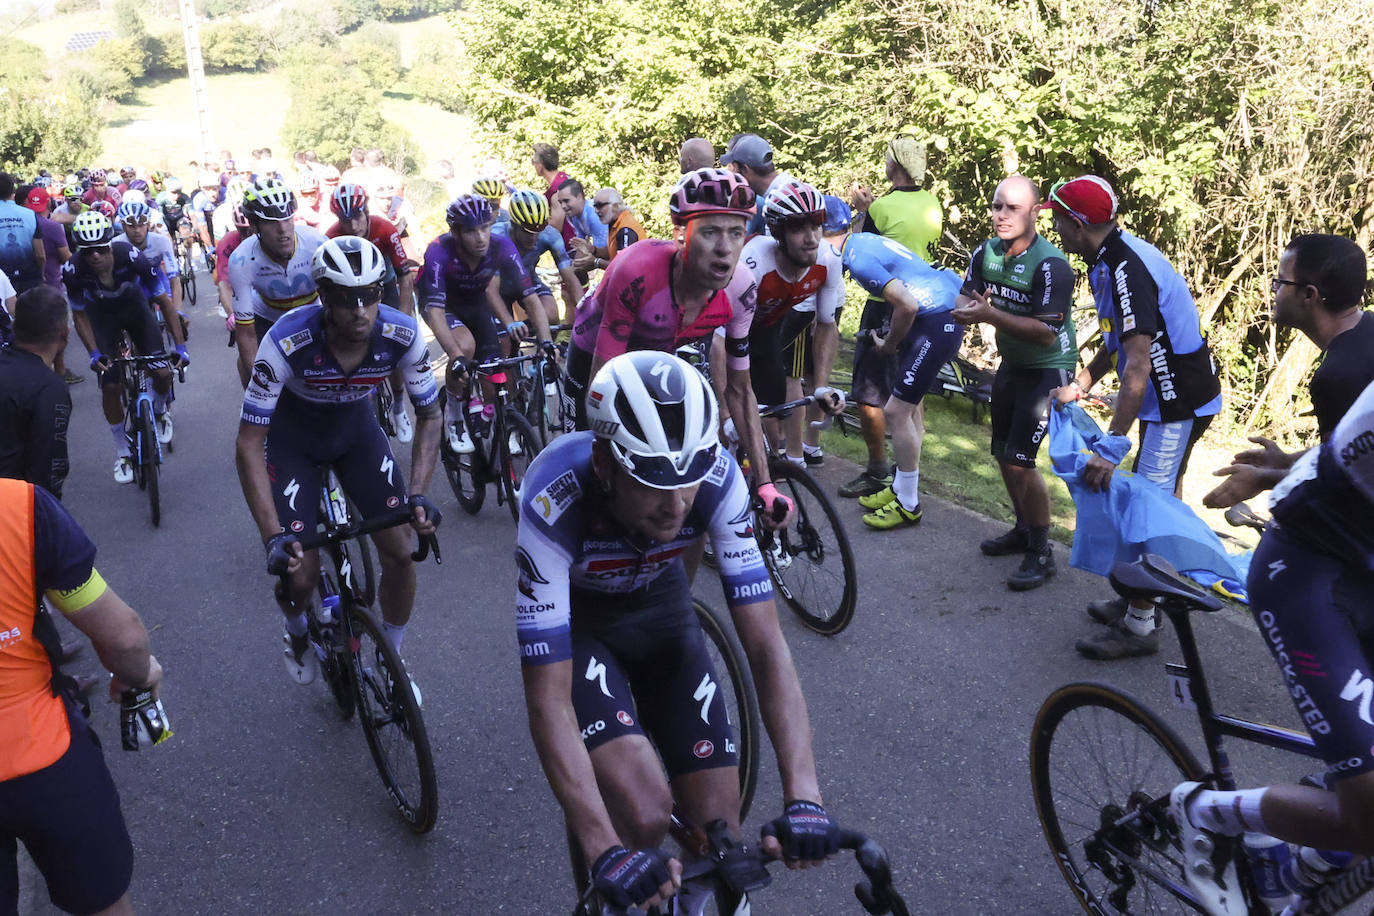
575, 380
931, 342
1165, 449
1020, 412
795, 333
105, 331
873, 378
767, 375
293, 468
146, 337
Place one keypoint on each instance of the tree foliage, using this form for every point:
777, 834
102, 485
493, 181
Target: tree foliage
233, 46
52, 125
333, 110
1226, 125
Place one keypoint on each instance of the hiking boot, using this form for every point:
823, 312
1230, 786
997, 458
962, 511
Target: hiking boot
893, 515
1107, 612
879, 499
1017, 540
1036, 567
1117, 642
864, 484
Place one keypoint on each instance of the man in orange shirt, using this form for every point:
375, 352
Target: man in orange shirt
623, 229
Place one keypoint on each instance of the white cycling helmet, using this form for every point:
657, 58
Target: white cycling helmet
92, 229
658, 416
348, 261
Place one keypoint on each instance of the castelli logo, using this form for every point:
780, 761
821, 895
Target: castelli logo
623, 718
298, 525
393, 502
703, 749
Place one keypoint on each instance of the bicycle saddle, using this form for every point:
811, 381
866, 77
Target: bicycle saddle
1153, 577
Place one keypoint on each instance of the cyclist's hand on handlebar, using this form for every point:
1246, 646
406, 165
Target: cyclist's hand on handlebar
641, 878
804, 836
283, 553
830, 400
426, 515
518, 330
98, 362
777, 509
183, 358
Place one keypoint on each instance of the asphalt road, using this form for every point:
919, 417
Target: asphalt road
264, 802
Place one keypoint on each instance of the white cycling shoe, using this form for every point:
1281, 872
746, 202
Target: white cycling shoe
124, 469
405, 429
1219, 894
303, 667
459, 442
515, 444
163, 422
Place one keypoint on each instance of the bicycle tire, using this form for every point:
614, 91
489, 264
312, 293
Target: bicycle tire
393, 724
743, 701
366, 589
338, 673
188, 284
514, 467
148, 458
1086, 738
805, 557
465, 472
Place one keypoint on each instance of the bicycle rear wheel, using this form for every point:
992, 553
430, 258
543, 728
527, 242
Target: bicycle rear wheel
466, 473
188, 281
338, 673
741, 701
391, 720
1098, 756
147, 455
516, 461
811, 560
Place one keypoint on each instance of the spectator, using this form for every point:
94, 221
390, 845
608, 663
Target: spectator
22, 256
696, 153
589, 232
7, 299
910, 216
55, 790
356, 171
35, 406
1152, 336
623, 228
56, 253
545, 162
751, 156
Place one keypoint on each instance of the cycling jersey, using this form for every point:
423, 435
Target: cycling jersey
263, 288
173, 206
447, 282
225, 247
624, 232
293, 356
819, 288
1344, 372
874, 261
203, 203
572, 554
635, 307
1037, 283
548, 240
383, 234
909, 216
136, 280
157, 248
111, 194
1137, 291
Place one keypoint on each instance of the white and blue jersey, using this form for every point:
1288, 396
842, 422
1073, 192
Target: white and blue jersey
570, 550
294, 357
875, 261
158, 250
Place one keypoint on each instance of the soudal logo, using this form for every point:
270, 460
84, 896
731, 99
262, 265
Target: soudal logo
703, 749
1357, 447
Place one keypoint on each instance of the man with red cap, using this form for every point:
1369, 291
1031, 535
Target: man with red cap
1152, 335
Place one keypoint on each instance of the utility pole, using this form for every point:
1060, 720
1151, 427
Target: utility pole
195, 67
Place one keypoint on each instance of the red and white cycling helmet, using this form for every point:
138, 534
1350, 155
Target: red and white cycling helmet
307, 183
348, 200
795, 200
711, 191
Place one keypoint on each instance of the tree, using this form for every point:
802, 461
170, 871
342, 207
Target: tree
233, 46
129, 27
334, 110
375, 51
53, 126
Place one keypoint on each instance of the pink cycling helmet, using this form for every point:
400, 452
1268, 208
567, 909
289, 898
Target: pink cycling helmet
711, 191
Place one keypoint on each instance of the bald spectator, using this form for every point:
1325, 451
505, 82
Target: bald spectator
752, 157
623, 228
696, 153
545, 162
22, 256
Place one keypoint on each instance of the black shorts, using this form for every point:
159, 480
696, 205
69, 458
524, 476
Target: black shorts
576, 372
933, 340
303, 437
797, 349
874, 374
769, 368
1020, 411
486, 331
136, 318
67, 815
640, 666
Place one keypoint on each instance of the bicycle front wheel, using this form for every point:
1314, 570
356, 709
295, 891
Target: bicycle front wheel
465, 471
517, 454
188, 282
147, 458
810, 560
391, 720
1102, 767
741, 701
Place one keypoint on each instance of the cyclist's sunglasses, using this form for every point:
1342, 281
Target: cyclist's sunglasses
352, 298
1076, 214
659, 472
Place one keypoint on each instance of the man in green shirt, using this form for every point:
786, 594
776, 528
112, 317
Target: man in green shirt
911, 216
1023, 286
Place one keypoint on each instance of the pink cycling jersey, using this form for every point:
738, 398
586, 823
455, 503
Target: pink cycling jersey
633, 308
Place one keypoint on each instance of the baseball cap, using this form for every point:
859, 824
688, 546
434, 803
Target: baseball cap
751, 150
1088, 199
37, 200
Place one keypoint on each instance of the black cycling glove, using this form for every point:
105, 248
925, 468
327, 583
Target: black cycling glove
432, 512
628, 878
279, 552
806, 832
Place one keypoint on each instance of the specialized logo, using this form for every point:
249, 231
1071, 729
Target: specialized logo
1359, 689
705, 693
290, 492
703, 749
388, 465
596, 671
624, 718
663, 371
605, 427
1275, 568
530, 576
555, 499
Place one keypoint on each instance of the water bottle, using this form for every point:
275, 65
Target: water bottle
1268, 858
478, 414
1309, 868
326, 614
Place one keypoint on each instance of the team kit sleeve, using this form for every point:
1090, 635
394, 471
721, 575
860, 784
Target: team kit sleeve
47, 456
512, 270
1052, 292
241, 281
973, 277
543, 557
830, 297
169, 258
725, 502
415, 366
64, 556
76, 295
865, 269
620, 299
743, 293
390, 244
559, 250
269, 375
1134, 296
431, 285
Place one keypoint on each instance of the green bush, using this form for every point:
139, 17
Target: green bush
233, 46
334, 110
375, 52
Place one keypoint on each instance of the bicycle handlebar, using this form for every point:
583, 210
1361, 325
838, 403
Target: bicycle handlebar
143, 362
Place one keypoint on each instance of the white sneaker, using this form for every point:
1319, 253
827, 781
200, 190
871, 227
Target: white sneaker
405, 429
163, 422
1219, 894
303, 668
459, 441
514, 444
124, 469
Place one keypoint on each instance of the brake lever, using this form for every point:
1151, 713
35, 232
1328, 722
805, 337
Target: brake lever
427, 543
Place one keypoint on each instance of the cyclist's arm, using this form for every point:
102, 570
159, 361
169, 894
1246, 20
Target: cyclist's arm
424, 395
826, 334
534, 311
1134, 380
83, 330
904, 309
119, 637
259, 401
740, 401
405, 286
572, 289
46, 461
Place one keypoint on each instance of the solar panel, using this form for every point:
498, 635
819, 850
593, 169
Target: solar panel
84, 41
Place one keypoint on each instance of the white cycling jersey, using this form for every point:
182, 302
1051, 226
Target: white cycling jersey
265, 289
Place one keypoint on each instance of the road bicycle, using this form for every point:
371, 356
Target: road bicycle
1103, 766
504, 446
540, 393
724, 873
140, 425
186, 268
363, 671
